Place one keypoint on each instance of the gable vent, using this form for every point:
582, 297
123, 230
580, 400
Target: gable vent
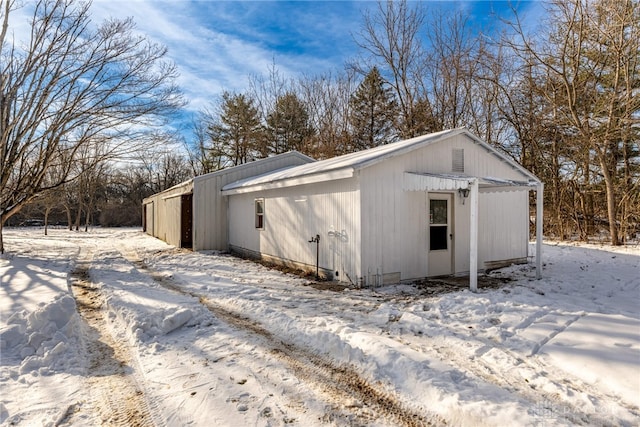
457, 164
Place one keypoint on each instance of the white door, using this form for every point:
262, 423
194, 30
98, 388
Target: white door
440, 235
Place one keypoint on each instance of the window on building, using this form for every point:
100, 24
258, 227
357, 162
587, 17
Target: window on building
259, 207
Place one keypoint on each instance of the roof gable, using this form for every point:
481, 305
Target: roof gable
344, 166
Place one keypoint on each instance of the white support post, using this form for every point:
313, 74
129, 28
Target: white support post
539, 217
473, 237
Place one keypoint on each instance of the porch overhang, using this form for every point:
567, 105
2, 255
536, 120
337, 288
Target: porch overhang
413, 181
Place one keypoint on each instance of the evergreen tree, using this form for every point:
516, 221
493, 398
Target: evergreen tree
373, 110
288, 125
238, 131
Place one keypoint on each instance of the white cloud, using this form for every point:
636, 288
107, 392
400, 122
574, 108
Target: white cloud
209, 61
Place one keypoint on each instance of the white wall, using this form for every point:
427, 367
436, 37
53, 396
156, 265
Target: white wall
395, 222
293, 216
504, 233
210, 207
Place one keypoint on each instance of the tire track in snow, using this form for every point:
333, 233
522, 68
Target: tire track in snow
545, 403
115, 396
366, 401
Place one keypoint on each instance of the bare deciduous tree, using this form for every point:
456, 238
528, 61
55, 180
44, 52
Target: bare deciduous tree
589, 60
73, 85
392, 36
326, 98
204, 155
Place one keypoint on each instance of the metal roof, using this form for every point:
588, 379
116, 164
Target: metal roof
186, 187
344, 166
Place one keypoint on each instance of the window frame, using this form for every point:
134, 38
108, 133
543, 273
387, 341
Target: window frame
258, 216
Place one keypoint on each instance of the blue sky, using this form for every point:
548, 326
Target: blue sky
217, 45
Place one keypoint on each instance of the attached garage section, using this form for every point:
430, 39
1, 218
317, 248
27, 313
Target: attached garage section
193, 214
169, 215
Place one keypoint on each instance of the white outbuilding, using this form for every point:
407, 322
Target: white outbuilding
193, 214
442, 204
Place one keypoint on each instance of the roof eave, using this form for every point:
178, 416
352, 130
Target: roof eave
235, 188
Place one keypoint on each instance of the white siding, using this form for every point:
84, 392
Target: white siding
210, 207
293, 216
394, 222
504, 230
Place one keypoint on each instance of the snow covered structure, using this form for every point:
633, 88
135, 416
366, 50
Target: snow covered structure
193, 214
440, 204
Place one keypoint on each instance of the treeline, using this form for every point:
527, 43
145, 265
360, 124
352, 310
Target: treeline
561, 96
107, 195
81, 109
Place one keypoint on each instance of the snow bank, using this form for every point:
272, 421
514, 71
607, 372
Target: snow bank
144, 322
139, 305
563, 350
46, 340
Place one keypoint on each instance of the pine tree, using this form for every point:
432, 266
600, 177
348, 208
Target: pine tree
288, 126
373, 110
238, 130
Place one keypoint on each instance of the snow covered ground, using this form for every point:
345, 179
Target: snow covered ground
114, 327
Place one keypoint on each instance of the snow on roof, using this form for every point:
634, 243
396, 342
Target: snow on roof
187, 186
252, 164
341, 166
344, 166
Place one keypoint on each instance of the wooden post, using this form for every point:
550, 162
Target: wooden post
473, 237
539, 217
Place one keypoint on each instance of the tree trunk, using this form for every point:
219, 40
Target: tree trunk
46, 220
77, 222
611, 202
69, 219
87, 220
1, 240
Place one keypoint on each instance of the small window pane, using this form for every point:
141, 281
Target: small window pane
438, 212
438, 238
259, 213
